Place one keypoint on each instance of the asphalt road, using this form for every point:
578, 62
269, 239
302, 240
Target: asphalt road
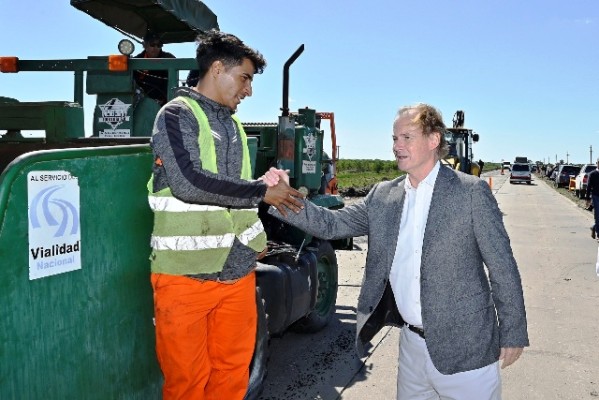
551, 241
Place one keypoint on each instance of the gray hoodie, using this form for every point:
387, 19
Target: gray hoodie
175, 142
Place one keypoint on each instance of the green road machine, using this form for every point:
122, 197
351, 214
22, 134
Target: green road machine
75, 225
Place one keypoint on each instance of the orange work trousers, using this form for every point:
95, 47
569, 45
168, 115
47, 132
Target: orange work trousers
205, 336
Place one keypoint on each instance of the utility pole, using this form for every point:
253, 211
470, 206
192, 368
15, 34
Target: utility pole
591, 154
567, 155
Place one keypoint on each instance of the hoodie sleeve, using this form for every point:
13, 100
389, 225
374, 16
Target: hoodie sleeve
175, 145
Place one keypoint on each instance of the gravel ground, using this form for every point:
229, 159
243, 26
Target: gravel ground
565, 192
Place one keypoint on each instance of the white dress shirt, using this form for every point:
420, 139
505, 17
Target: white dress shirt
405, 270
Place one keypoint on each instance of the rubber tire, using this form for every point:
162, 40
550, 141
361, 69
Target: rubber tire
258, 366
324, 309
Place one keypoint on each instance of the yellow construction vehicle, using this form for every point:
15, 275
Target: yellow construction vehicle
460, 141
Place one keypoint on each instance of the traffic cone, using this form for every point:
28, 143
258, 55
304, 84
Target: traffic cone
491, 182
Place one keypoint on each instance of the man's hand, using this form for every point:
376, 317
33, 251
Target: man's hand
273, 175
284, 197
509, 355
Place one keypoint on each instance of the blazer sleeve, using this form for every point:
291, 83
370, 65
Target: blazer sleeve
328, 224
504, 277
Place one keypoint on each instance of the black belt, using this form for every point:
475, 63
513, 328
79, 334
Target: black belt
416, 330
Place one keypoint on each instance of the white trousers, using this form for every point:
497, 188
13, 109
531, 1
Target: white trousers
417, 377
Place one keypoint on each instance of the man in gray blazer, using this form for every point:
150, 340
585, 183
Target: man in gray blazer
430, 235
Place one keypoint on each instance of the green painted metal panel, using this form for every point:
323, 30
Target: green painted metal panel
308, 150
104, 81
144, 114
328, 201
60, 120
88, 333
253, 149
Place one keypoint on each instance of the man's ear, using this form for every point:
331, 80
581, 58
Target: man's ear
217, 67
435, 139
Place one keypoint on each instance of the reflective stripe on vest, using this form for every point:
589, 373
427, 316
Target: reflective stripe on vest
172, 204
186, 243
197, 238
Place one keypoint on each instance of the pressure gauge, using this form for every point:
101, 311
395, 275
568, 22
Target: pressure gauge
303, 190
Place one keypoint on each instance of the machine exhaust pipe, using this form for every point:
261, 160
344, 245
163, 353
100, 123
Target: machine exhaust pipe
288, 63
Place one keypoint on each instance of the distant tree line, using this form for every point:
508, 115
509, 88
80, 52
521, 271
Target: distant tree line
359, 166
351, 166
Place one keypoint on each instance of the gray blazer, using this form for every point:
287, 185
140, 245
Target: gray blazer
467, 316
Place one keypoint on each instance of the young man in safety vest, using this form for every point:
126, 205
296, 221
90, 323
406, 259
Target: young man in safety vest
207, 234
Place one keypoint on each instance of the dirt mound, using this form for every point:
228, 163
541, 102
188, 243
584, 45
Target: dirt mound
355, 191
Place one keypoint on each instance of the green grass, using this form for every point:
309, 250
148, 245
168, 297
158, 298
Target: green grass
491, 166
361, 174
349, 179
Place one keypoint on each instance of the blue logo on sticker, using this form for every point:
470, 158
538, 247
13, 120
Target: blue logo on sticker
40, 207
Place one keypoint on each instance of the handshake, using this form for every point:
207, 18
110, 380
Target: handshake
279, 194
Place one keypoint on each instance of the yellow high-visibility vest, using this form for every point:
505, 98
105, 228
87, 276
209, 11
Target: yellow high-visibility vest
191, 239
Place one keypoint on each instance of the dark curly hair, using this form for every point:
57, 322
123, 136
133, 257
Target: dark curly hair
430, 120
214, 46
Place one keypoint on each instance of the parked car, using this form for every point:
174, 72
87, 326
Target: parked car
554, 172
582, 178
564, 173
520, 173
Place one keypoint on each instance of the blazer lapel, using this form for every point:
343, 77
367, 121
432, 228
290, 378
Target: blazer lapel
442, 194
393, 217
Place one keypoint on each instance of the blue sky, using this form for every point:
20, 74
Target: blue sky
526, 73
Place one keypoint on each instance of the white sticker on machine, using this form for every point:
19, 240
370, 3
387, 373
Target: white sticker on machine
308, 167
54, 223
115, 133
310, 148
114, 113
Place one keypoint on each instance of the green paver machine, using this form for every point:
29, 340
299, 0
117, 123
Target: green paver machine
75, 226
